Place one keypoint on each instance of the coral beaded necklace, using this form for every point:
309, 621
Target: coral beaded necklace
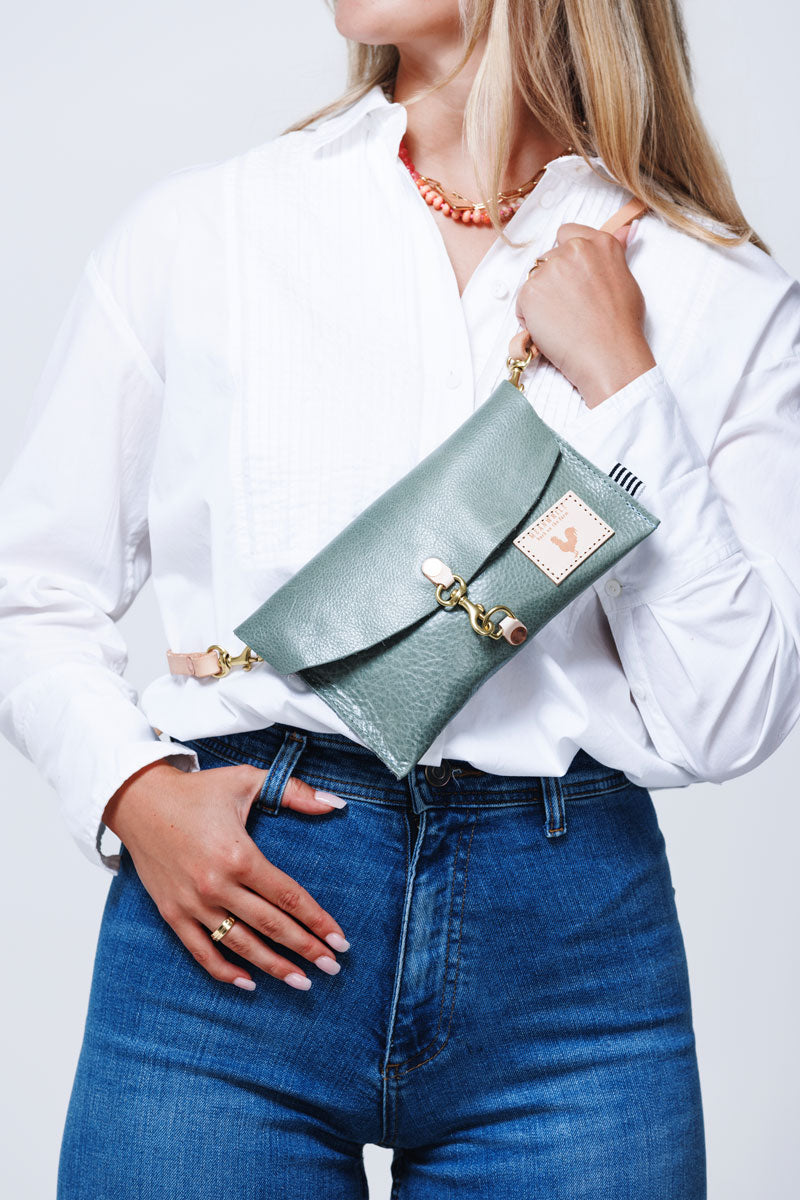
453, 204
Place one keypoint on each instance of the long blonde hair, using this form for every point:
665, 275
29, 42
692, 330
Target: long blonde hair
612, 78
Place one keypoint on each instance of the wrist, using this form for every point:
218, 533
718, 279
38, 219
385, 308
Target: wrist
610, 375
124, 799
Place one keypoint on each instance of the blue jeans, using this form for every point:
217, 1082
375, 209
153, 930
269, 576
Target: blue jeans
513, 1017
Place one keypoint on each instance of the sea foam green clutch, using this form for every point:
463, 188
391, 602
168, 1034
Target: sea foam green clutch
400, 618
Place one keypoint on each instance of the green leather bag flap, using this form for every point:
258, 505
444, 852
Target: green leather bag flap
457, 504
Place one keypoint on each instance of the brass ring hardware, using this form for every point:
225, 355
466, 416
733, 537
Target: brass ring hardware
246, 659
478, 618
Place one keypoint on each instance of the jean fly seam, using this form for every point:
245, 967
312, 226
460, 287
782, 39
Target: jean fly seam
455, 980
422, 1049
383, 1071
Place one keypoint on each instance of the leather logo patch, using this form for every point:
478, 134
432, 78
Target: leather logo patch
562, 537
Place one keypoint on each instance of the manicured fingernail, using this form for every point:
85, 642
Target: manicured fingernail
297, 981
242, 982
329, 798
337, 941
634, 225
328, 964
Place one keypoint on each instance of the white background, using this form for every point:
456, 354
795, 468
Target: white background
96, 102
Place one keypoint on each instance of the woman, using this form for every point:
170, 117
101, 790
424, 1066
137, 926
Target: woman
257, 349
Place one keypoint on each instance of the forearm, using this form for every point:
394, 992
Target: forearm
705, 613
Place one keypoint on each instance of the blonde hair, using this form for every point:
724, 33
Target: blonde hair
612, 78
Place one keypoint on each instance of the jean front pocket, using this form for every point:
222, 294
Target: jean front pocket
209, 755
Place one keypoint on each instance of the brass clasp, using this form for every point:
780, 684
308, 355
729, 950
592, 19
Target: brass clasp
510, 628
245, 660
479, 619
516, 367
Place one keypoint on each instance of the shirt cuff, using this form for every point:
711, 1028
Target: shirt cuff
80, 724
633, 423
641, 430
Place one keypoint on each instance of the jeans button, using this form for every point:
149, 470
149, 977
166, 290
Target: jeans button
440, 775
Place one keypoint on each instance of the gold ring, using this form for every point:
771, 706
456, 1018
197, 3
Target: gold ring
538, 263
221, 930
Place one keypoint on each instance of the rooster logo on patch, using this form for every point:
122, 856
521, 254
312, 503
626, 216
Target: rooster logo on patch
568, 543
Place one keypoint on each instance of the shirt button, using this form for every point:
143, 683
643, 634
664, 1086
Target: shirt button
500, 289
547, 192
613, 587
453, 378
639, 692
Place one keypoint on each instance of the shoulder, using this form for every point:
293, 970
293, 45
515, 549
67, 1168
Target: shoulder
190, 198
734, 301
183, 221
743, 264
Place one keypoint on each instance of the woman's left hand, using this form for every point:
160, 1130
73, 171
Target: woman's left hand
585, 311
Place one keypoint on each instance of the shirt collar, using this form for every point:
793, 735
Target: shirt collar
340, 123
393, 117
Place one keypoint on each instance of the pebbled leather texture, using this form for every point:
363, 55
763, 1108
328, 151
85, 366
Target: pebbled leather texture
361, 624
456, 504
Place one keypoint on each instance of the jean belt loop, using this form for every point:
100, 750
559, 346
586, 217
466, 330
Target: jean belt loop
555, 823
281, 767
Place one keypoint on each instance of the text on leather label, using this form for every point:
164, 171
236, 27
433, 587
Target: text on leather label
562, 537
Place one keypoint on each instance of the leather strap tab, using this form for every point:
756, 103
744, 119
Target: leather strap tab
197, 663
629, 212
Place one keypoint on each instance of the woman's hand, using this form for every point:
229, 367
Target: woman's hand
585, 311
185, 832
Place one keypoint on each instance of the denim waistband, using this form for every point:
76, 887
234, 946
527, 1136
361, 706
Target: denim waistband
336, 763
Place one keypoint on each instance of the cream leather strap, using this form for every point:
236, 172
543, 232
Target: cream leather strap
214, 661
197, 663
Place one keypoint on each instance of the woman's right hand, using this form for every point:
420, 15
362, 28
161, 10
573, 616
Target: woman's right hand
185, 831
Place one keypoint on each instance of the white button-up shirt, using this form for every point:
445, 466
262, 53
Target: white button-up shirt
258, 347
